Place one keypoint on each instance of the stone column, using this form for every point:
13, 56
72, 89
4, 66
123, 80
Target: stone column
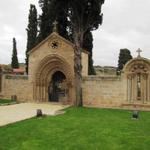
142, 88
145, 88
133, 88
35, 91
129, 88
41, 91
44, 98
46, 91
148, 88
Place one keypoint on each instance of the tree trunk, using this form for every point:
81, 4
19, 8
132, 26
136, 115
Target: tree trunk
78, 38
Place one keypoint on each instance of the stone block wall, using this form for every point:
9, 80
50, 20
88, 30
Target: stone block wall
16, 85
103, 91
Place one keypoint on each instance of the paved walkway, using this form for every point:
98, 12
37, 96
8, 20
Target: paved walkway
18, 112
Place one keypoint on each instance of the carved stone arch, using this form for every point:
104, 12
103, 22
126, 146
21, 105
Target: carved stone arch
54, 59
132, 62
43, 75
137, 74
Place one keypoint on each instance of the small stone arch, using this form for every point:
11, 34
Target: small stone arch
137, 74
43, 75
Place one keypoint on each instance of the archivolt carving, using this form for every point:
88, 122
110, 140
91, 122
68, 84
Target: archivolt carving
137, 65
48, 66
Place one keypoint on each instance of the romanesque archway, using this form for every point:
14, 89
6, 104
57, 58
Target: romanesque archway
137, 73
49, 68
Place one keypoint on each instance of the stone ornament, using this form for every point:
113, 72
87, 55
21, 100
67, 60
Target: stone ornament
54, 44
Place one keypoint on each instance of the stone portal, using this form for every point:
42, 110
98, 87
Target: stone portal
53, 80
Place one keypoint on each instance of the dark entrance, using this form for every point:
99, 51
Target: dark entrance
55, 86
138, 86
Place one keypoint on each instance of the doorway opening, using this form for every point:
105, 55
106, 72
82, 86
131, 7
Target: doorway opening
56, 89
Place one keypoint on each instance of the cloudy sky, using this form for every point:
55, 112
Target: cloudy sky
126, 24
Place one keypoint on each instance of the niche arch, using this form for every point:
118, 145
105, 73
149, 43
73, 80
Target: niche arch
137, 74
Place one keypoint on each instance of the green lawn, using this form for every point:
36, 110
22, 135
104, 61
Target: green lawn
79, 129
5, 101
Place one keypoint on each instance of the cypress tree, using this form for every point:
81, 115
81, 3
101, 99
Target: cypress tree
84, 15
124, 57
14, 62
50, 13
88, 45
31, 31
44, 20
61, 15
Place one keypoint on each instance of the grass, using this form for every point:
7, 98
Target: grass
79, 129
6, 101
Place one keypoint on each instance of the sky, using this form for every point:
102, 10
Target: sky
126, 24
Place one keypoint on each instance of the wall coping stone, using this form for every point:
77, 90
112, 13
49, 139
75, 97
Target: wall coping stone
16, 77
100, 78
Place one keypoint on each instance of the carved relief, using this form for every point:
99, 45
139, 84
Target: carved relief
54, 44
137, 73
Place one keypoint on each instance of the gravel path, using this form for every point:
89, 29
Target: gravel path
18, 112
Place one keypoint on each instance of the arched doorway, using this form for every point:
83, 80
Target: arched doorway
53, 81
57, 89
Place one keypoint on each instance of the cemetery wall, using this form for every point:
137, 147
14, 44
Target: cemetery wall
16, 85
103, 91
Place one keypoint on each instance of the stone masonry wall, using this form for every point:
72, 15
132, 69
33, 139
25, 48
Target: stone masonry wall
16, 85
103, 91
97, 91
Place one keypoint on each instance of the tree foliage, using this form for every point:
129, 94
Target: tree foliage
14, 62
44, 20
31, 31
84, 15
124, 57
88, 45
51, 12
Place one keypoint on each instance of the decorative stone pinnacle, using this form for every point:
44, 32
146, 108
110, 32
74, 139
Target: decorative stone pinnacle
55, 23
139, 52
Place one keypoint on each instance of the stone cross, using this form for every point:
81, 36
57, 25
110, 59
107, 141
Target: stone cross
55, 23
139, 52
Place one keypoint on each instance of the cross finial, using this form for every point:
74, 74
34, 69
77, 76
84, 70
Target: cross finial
55, 23
139, 52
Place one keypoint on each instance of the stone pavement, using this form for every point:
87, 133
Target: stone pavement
18, 112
